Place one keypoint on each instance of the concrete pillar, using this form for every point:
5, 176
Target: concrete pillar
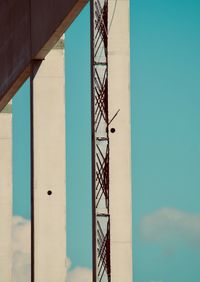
50, 168
120, 146
5, 193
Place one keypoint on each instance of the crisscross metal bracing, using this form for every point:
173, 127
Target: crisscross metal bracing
100, 141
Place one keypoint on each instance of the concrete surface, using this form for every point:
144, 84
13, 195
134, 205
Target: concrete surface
50, 169
6, 195
120, 141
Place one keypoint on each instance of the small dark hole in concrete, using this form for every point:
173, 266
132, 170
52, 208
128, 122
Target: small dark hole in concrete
112, 130
49, 192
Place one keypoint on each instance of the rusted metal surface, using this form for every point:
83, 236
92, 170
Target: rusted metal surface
28, 31
15, 45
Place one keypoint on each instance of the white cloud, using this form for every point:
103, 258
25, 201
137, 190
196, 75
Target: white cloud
169, 224
21, 235
80, 275
21, 255
21, 249
21, 267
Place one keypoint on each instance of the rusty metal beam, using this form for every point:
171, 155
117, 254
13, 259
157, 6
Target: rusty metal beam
28, 31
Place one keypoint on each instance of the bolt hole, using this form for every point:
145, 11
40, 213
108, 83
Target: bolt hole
49, 192
112, 130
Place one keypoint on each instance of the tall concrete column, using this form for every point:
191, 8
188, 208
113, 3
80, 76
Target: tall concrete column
48, 88
5, 194
120, 146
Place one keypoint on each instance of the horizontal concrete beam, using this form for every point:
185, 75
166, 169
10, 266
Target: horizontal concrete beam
28, 31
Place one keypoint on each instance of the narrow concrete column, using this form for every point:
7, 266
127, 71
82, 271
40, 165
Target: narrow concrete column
120, 145
49, 168
5, 194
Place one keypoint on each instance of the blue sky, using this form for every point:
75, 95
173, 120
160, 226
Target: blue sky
165, 44
166, 153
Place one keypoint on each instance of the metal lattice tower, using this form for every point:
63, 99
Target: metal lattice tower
100, 141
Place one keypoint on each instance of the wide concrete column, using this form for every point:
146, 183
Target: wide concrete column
120, 144
6, 194
49, 168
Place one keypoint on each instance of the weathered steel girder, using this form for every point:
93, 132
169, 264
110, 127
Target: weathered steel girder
28, 31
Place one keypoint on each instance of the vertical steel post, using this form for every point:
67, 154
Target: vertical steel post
32, 170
